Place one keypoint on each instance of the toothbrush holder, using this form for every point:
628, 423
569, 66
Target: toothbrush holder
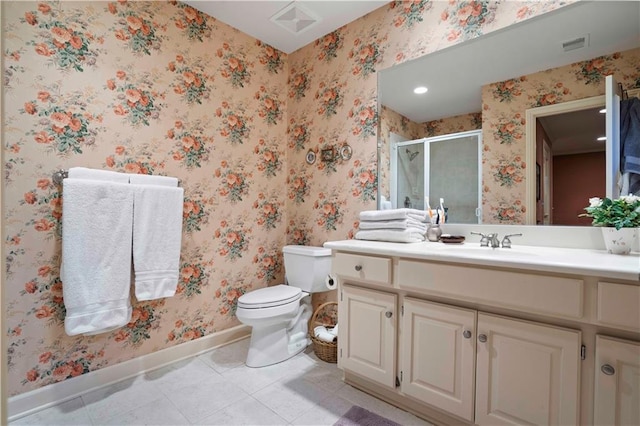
434, 232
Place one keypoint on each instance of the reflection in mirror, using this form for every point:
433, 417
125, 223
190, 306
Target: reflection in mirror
441, 167
490, 82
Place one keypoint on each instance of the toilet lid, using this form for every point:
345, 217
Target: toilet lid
269, 296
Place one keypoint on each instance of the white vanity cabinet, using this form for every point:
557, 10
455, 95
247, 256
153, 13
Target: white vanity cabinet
617, 382
438, 355
367, 321
466, 343
526, 373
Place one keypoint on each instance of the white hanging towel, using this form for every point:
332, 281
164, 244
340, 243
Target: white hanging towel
97, 217
157, 235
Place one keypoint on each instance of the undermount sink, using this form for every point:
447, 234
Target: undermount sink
476, 250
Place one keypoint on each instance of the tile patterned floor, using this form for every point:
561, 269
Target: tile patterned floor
216, 388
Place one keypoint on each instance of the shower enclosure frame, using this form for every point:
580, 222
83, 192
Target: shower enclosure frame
424, 144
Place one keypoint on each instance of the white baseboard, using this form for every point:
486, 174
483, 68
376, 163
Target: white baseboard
38, 399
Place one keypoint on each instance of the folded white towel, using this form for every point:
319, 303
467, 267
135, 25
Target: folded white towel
408, 223
152, 180
97, 218
418, 215
94, 174
157, 234
391, 235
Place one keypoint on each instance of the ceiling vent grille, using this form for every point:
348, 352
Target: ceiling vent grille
295, 18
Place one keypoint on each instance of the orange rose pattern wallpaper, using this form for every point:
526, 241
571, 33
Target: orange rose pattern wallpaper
159, 88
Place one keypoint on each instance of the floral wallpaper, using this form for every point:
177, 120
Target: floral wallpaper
160, 88
503, 123
138, 87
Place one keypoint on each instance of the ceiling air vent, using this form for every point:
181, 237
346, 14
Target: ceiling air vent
576, 43
295, 18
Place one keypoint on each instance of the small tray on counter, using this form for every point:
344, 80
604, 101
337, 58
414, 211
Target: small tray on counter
452, 239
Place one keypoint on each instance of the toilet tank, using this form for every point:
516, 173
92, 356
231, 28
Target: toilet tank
307, 267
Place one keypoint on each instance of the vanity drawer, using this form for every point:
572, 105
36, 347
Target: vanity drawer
362, 268
543, 294
619, 305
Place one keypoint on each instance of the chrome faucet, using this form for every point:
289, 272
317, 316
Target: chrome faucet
489, 239
506, 241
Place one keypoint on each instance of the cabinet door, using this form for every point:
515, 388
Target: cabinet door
617, 392
438, 355
367, 341
527, 373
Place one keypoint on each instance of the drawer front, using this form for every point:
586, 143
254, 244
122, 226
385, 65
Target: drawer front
362, 268
534, 293
619, 305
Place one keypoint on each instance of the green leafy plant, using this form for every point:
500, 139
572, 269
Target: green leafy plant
623, 212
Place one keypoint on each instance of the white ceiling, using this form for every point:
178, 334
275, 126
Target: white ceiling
253, 18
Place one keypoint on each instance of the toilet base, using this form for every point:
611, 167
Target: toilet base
271, 345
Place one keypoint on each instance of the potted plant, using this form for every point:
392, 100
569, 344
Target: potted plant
619, 219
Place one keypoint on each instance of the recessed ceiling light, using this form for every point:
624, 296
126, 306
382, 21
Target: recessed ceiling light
603, 111
420, 90
602, 139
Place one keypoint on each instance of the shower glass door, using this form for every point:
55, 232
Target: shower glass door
445, 167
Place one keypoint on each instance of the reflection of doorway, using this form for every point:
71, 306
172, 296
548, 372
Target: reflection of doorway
575, 170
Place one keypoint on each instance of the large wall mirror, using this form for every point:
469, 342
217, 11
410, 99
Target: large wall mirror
490, 82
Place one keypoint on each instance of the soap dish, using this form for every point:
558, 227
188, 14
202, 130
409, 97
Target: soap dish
452, 239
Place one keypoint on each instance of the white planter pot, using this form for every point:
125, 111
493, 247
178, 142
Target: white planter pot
619, 241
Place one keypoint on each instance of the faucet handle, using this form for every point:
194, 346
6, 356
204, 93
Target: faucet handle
484, 240
506, 241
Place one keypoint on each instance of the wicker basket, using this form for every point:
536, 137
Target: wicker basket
326, 351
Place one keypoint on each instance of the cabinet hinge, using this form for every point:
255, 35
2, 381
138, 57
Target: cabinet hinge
397, 382
340, 352
583, 352
341, 296
402, 310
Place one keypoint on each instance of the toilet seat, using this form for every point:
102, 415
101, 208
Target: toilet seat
269, 297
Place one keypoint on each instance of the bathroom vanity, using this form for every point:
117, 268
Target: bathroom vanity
469, 334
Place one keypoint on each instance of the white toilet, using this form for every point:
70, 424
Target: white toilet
279, 314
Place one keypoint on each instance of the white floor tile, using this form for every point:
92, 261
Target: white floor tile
379, 407
181, 374
327, 412
227, 357
158, 412
292, 397
247, 411
215, 387
120, 398
72, 412
252, 380
201, 400
329, 378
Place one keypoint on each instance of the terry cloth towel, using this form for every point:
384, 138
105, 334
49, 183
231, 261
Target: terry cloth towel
97, 218
630, 135
157, 235
394, 224
94, 174
152, 180
418, 215
391, 235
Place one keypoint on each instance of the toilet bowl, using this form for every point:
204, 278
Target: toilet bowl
279, 315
